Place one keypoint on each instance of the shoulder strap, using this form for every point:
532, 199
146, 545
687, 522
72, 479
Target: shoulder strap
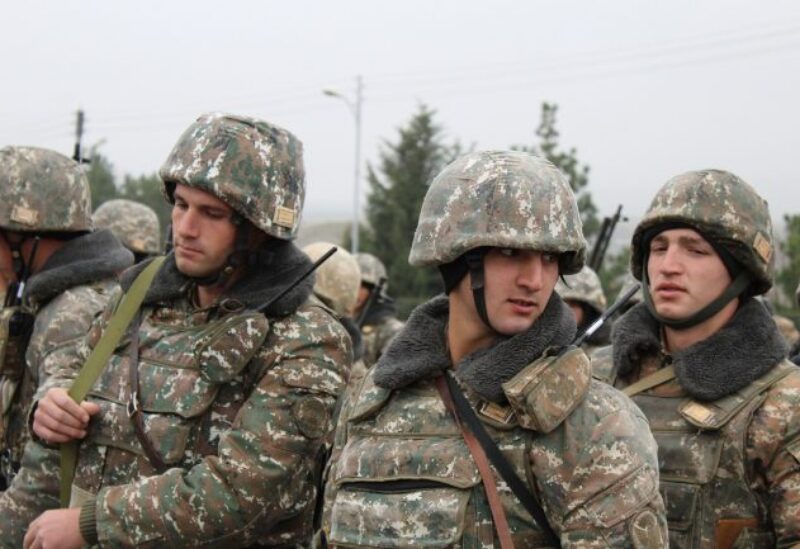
97, 361
500, 462
495, 505
648, 382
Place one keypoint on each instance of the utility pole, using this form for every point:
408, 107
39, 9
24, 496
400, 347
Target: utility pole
355, 108
76, 155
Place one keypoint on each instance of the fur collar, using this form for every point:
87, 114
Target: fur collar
743, 350
281, 267
420, 350
89, 258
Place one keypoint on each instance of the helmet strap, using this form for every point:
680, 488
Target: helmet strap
474, 260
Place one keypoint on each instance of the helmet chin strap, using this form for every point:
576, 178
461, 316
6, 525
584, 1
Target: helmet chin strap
474, 259
734, 290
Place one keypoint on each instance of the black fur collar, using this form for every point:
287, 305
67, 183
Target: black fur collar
89, 258
420, 350
746, 348
260, 284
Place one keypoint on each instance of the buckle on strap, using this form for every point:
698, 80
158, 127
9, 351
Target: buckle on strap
133, 404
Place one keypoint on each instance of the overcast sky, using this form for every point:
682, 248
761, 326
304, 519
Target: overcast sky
645, 90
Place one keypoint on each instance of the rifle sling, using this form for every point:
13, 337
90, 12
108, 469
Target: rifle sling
489, 484
500, 462
648, 382
94, 365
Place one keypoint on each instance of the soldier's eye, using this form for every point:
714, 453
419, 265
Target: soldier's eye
508, 252
550, 257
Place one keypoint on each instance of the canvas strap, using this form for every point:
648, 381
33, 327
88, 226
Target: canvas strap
648, 382
97, 361
524, 495
489, 485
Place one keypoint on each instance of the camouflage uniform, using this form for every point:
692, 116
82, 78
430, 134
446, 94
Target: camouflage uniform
585, 289
728, 424
336, 285
380, 324
401, 473
133, 223
44, 191
238, 402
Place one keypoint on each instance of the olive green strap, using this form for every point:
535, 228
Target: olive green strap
656, 378
97, 360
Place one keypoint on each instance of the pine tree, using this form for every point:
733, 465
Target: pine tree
397, 186
101, 180
567, 162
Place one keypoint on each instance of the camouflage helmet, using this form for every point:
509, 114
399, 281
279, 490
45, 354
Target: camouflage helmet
506, 199
585, 287
133, 223
43, 191
338, 279
372, 269
251, 165
724, 209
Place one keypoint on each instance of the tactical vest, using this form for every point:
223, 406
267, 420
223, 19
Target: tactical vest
192, 383
405, 478
705, 484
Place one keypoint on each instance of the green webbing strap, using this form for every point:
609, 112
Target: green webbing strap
97, 361
656, 378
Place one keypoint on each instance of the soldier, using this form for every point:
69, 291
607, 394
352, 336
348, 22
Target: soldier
134, 224
375, 309
209, 418
337, 285
705, 362
500, 226
65, 274
584, 295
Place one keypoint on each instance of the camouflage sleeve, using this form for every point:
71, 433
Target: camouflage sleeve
773, 450
60, 326
73, 324
604, 490
33, 491
265, 469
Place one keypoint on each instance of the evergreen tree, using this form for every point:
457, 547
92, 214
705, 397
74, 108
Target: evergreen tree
101, 180
789, 276
567, 162
397, 186
612, 276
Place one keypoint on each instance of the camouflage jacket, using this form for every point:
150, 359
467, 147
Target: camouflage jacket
379, 328
64, 297
727, 427
402, 476
239, 405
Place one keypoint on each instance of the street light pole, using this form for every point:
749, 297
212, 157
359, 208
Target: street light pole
355, 108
